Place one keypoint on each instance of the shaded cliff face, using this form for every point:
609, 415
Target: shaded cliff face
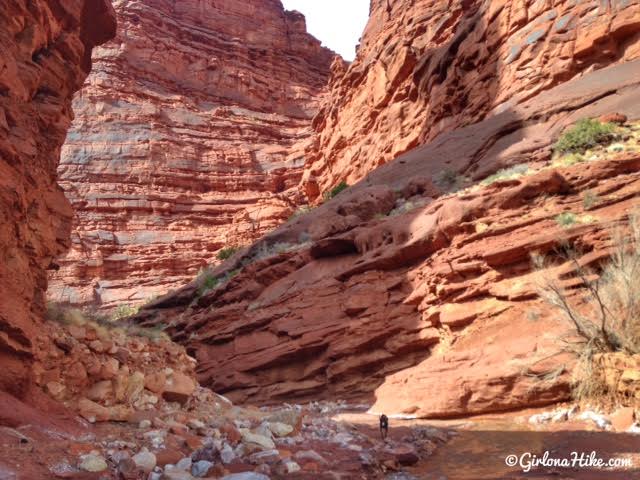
45, 57
426, 67
424, 301
184, 142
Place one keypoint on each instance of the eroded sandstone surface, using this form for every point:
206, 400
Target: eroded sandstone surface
425, 67
186, 140
424, 302
45, 57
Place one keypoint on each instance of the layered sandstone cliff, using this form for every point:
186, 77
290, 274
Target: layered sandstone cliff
425, 67
422, 300
45, 57
184, 142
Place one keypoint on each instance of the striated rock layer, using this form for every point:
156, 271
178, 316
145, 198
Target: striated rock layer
423, 302
184, 142
45, 57
426, 66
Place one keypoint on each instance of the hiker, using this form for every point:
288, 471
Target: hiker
384, 426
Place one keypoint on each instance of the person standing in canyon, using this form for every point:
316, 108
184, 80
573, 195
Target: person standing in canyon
384, 426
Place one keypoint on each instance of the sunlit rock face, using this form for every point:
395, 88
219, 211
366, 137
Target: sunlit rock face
398, 291
425, 67
44, 58
186, 140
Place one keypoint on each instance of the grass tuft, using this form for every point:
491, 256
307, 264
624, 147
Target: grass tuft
511, 173
566, 219
335, 191
226, 253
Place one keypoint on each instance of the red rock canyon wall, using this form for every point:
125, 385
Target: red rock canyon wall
45, 57
420, 300
426, 67
184, 142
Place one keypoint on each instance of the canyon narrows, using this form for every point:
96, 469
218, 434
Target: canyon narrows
226, 251
188, 137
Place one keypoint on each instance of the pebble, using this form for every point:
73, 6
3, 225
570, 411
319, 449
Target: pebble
184, 464
255, 439
227, 454
145, 460
291, 466
92, 463
201, 468
195, 424
601, 421
309, 455
246, 476
280, 429
266, 456
635, 428
176, 475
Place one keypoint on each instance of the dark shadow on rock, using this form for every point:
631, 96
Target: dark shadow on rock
290, 326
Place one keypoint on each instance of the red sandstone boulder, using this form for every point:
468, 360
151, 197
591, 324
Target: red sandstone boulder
178, 388
622, 419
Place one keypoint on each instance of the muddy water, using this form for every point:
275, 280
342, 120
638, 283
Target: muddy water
477, 448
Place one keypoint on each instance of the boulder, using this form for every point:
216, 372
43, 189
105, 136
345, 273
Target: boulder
100, 391
179, 388
622, 419
145, 460
155, 382
92, 463
255, 441
92, 411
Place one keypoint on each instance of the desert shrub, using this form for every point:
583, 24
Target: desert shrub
590, 200
104, 325
481, 227
566, 219
300, 211
568, 160
341, 187
511, 173
226, 253
65, 315
449, 180
206, 282
155, 333
605, 312
533, 315
124, 311
407, 207
585, 134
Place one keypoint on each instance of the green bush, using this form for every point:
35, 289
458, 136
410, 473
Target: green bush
208, 282
342, 186
566, 219
226, 253
585, 134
